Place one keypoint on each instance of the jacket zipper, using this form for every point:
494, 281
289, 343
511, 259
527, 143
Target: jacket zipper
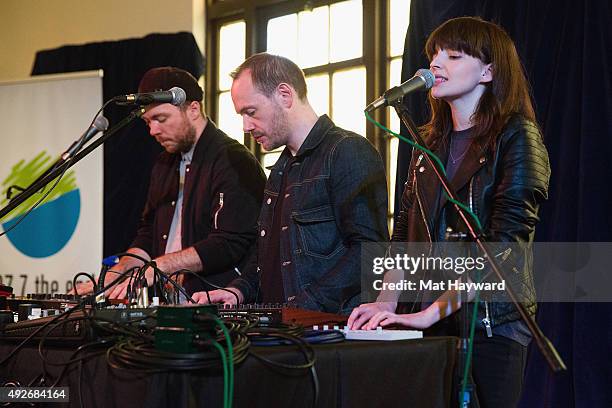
219, 209
486, 321
416, 192
470, 195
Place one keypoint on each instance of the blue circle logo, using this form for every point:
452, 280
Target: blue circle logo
49, 227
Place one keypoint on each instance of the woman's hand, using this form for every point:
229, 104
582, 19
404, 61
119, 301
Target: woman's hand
363, 313
420, 320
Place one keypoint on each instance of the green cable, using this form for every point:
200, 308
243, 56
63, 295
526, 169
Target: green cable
225, 374
433, 156
466, 209
468, 358
230, 353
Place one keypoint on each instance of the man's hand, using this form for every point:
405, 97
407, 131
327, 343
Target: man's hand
87, 287
119, 290
362, 314
226, 296
82, 288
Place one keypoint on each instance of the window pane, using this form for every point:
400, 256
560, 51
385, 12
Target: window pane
313, 37
349, 98
318, 93
395, 73
232, 45
395, 77
346, 30
282, 36
399, 16
229, 121
393, 148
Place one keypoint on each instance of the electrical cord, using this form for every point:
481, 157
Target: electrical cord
43, 338
140, 355
40, 328
272, 339
139, 278
84, 300
323, 336
176, 286
121, 330
73, 359
306, 350
241, 323
87, 275
207, 282
289, 369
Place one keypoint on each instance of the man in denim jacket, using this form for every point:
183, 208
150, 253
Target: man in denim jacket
325, 196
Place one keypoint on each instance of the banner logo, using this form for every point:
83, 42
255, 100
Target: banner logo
49, 227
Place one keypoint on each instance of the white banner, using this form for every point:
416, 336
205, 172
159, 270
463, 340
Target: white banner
39, 118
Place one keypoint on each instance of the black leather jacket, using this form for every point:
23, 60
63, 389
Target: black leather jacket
503, 188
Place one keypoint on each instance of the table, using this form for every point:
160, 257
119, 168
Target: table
407, 373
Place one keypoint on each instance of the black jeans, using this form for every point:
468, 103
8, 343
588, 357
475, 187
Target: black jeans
498, 364
497, 368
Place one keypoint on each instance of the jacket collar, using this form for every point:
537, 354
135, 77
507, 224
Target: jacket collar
205, 141
429, 183
312, 141
316, 135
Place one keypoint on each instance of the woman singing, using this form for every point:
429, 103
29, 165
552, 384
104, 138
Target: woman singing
483, 128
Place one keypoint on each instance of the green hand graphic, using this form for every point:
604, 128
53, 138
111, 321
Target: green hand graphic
22, 174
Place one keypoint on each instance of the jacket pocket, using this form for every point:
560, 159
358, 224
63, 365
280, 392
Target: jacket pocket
318, 232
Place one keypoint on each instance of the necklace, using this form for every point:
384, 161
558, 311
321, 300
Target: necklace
454, 160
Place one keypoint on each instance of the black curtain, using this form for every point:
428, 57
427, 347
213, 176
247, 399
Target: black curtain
128, 155
566, 49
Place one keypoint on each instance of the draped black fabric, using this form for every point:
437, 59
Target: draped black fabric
414, 373
128, 155
566, 49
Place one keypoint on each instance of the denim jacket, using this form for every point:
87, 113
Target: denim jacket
335, 198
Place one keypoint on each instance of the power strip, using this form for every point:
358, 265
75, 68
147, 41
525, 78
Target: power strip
378, 334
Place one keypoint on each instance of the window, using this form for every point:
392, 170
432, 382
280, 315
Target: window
322, 41
399, 13
232, 48
350, 51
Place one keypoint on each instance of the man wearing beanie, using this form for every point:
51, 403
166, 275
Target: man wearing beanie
204, 196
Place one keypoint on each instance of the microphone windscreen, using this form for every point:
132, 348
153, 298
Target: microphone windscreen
427, 76
101, 123
178, 96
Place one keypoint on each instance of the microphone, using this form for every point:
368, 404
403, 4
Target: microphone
99, 125
423, 79
175, 95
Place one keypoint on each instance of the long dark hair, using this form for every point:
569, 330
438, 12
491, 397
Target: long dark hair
506, 95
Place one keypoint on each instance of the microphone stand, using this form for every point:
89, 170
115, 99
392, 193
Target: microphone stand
56, 170
60, 161
549, 352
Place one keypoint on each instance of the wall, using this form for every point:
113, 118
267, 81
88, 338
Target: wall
27, 26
